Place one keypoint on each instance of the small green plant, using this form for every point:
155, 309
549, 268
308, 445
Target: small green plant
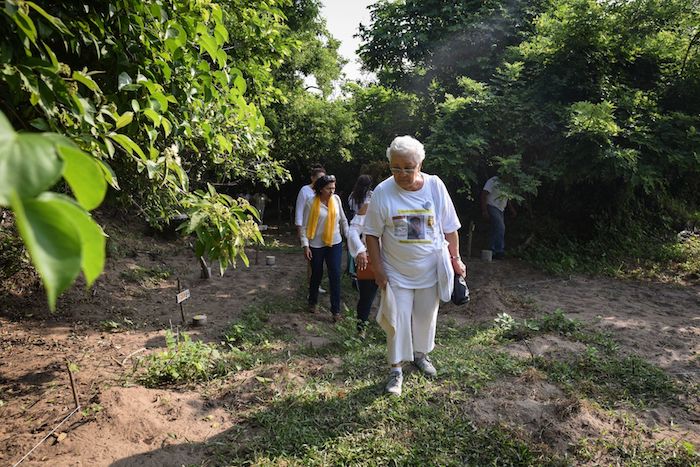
505, 322
556, 322
223, 226
184, 361
110, 325
146, 276
91, 410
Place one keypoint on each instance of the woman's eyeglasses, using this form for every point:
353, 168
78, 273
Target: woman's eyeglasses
407, 171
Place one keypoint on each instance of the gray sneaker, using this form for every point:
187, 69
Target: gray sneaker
321, 290
393, 387
425, 366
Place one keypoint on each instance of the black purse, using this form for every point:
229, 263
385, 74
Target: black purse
460, 292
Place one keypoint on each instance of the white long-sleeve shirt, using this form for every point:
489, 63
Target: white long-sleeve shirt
304, 195
355, 243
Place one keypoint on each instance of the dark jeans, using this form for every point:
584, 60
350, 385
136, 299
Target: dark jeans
368, 290
332, 256
498, 229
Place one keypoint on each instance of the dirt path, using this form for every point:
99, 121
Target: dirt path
103, 332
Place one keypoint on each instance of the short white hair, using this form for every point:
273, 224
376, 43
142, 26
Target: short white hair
406, 145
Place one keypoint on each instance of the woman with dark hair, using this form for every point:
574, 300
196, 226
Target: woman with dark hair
360, 196
324, 221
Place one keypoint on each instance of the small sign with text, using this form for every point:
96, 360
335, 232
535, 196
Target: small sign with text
182, 296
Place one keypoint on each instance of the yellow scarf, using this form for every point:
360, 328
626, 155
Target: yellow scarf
330, 220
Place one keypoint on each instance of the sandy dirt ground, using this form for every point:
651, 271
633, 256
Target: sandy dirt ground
106, 329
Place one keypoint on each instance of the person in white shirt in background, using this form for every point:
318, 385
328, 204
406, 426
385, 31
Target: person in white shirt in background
305, 193
324, 222
493, 206
407, 266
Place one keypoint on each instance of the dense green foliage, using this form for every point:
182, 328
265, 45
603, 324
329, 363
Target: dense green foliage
163, 95
588, 110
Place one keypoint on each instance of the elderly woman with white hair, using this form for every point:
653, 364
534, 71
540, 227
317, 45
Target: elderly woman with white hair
404, 255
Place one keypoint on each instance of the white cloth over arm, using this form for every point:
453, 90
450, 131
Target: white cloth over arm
387, 313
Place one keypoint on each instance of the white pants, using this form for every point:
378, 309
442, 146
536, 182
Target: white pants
416, 311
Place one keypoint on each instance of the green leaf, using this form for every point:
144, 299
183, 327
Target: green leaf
110, 176
240, 84
28, 163
53, 242
25, 23
124, 119
167, 127
92, 237
175, 37
52, 57
208, 43
86, 80
56, 22
153, 115
84, 176
128, 144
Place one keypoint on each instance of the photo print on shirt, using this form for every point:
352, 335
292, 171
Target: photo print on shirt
414, 227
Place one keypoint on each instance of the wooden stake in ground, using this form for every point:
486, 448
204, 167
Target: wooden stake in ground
181, 296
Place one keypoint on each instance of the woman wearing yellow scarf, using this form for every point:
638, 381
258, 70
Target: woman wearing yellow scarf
324, 221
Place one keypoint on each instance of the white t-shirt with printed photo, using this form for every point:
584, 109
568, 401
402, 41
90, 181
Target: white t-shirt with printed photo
405, 222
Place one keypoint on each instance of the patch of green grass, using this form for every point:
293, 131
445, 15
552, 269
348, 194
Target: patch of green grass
635, 253
633, 451
600, 373
324, 425
342, 417
146, 276
612, 379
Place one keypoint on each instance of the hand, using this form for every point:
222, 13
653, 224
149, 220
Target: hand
307, 253
361, 261
459, 267
380, 279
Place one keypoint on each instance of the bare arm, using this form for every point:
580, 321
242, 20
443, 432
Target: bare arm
453, 246
376, 259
